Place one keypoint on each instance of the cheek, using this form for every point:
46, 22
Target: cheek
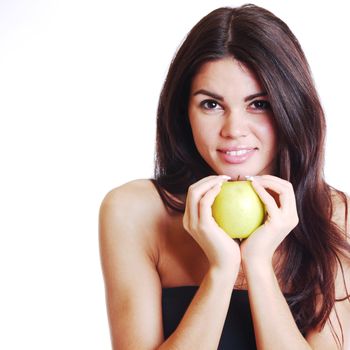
267, 133
202, 135
196, 127
195, 131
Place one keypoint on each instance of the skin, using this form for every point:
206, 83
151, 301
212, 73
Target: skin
234, 121
231, 122
144, 249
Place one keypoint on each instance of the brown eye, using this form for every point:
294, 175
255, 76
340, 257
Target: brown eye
261, 104
210, 104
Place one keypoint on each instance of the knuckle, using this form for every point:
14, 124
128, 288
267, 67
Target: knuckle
191, 188
296, 220
193, 193
290, 185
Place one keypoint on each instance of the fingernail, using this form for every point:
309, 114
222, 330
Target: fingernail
226, 177
249, 178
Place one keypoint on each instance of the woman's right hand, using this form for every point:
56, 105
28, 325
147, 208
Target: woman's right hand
221, 250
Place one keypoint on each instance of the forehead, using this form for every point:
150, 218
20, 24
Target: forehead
225, 73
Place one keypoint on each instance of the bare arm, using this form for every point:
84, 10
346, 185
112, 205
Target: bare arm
274, 324
273, 321
204, 319
133, 288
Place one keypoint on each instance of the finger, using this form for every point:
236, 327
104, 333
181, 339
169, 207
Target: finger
282, 188
208, 180
195, 192
198, 189
272, 178
267, 199
205, 212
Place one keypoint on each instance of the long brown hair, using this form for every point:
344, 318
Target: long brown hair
265, 44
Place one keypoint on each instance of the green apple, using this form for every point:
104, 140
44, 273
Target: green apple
237, 209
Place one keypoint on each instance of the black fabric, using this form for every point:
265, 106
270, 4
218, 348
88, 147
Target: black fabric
238, 330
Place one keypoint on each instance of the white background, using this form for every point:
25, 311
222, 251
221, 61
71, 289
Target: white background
79, 85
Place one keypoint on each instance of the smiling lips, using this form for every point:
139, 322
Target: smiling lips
236, 155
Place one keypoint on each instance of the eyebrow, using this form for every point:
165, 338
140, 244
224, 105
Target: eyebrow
220, 98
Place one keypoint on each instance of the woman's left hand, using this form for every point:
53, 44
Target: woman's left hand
279, 199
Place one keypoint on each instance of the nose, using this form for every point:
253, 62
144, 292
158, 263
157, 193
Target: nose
235, 125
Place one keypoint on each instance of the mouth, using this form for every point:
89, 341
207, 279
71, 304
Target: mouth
239, 152
236, 155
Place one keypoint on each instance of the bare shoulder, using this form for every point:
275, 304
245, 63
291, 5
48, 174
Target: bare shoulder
135, 203
144, 185
129, 220
136, 195
131, 215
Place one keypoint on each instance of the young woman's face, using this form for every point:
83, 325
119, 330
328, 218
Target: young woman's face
231, 120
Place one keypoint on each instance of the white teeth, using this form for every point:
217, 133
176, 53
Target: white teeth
238, 153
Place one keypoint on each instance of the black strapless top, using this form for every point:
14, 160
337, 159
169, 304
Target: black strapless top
238, 332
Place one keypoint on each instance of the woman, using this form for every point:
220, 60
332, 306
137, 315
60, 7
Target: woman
238, 101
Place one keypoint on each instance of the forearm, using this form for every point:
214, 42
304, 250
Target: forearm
202, 324
274, 325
